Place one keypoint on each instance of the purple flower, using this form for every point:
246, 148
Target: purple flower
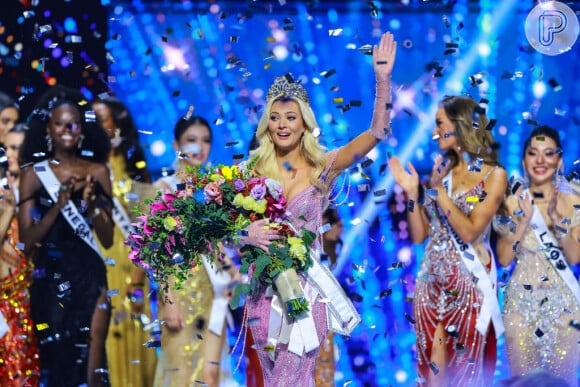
239, 185
258, 192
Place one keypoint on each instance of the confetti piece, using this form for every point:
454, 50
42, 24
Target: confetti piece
538, 332
385, 293
432, 192
335, 32
554, 85
434, 368
472, 199
491, 124
381, 192
452, 330
367, 49
410, 318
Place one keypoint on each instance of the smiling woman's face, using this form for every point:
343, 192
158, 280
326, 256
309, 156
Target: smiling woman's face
64, 126
542, 159
285, 125
8, 118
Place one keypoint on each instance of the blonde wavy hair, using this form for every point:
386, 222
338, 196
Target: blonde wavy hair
478, 143
310, 148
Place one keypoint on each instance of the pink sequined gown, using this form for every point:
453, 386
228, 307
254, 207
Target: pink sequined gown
446, 294
288, 368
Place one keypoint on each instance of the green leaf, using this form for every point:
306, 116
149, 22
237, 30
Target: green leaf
261, 264
240, 289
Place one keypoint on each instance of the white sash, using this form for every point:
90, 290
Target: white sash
485, 282
69, 211
553, 252
300, 334
219, 305
121, 218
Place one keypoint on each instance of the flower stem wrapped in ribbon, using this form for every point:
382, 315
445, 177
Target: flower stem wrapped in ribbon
279, 268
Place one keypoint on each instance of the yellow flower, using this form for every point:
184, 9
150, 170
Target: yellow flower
297, 251
294, 241
216, 177
249, 203
260, 206
169, 223
227, 172
235, 171
239, 200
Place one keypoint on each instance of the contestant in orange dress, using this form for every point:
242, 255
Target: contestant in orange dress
18, 349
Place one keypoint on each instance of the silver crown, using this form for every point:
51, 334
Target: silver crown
287, 86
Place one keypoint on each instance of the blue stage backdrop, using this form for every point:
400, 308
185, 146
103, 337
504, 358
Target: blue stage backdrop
222, 56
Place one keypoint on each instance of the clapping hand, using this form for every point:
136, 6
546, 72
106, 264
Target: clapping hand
409, 182
384, 57
525, 203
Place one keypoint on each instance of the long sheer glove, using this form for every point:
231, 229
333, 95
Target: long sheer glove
383, 61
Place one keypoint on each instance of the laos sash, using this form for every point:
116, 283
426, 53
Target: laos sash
69, 211
486, 283
553, 252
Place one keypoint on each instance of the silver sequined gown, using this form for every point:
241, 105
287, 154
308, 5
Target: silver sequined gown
538, 308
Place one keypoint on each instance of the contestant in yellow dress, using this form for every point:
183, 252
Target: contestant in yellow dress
130, 363
194, 350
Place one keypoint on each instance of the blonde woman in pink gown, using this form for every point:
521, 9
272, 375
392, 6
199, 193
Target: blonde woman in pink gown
289, 152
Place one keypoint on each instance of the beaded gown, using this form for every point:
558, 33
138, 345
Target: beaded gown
538, 309
181, 358
288, 368
446, 294
18, 347
131, 364
68, 303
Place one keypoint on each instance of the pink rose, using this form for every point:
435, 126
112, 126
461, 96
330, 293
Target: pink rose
213, 193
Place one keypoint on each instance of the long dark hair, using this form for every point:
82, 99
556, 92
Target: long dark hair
185, 122
7, 101
130, 148
96, 144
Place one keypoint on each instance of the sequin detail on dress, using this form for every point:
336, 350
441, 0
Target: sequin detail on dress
446, 294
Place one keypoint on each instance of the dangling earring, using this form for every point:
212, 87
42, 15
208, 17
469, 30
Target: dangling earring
80, 144
117, 140
558, 175
48, 142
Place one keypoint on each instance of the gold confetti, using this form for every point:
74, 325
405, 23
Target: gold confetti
270, 39
41, 326
338, 100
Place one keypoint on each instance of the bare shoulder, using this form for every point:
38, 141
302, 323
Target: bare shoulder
570, 201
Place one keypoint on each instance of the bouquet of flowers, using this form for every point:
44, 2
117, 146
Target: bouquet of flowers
210, 209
